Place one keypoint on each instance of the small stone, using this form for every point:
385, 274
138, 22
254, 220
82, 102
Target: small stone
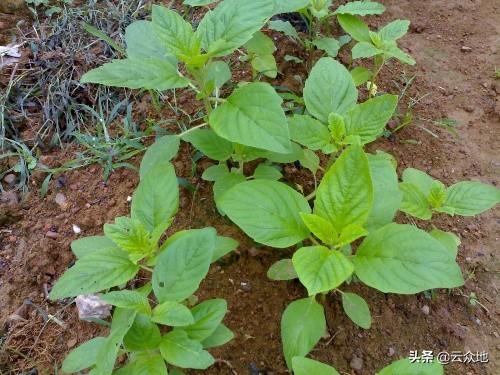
10, 179
245, 286
92, 306
61, 200
77, 229
253, 251
468, 108
426, 309
51, 234
71, 343
9, 197
356, 363
391, 351
465, 49
129, 199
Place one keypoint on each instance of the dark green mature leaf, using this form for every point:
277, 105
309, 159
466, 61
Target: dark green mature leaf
83, 356
160, 152
182, 264
260, 44
128, 299
394, 30
207, 317
282, 270
231, 24
172, 314
95, 272
306, 366
404, 259
361, 75
143, 43
223, 246
198, 3
309, 132
329, 88
215, 74
364, 50
144, 363
215, 172
224, 184
330, 45
406, 367
289, 6
267, 211
179, 350
152, 73
360, 8
469, 198
87, 245
414, 202
143, 335
357, 309
267, 172
253, 116
284, 27
210, 144
355, 27
220, 336
302, 326
345, 195
449, 240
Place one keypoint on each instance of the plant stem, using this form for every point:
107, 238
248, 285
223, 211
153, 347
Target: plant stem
312, 195
146, 268
192, 129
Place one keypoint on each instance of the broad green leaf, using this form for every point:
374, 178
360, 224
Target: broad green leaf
160, 152
156, 199
95, 272
289, 6
176, 33
368, 120
224, 184
143, 43
131, 236
267, 172
360, 8
386, 194
356, 28
223, 246
128, 299
267, 211
302, 326
321, 228
172, 314
83, 356
215, 172
329, 88
144, 363
210, 144
420, 179
198, 3
394, 30
310, 161
179, 350
306, 366
345, 195
253, 116
414, 202
183, 264
364, 50
294, 155
361, 75
152, 74
394, 51
215, 74
220, 336
143, 335
449, 240
87, 245
231, 24
469, 198
321, 269
284, 27
406, 260
330, 45
350, 234
260, 44
265, 64
282, 270
406, 367
309, 132
357, 309
207, 317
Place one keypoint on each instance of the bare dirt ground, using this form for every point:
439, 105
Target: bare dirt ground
457, 47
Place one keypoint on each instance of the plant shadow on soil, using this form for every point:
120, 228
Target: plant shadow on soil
462, 87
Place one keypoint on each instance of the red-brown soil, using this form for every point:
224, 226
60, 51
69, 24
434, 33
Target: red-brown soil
460, 84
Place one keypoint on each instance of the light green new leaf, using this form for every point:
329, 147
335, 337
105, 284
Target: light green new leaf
183, 263
128, 299
152, 74
207, 317
267, 172
306, 366
302, 326
368, 120
345, 195
131, 236
156, 199
356, 28
210, 144
449, 240
420, 179
143, 335
231, 24
414, 202
321, 228
469, 198
329, 88
360, 8
406, 367
394, 30
223, 246
284, 27
309, 132
321, 269
357, 309
437, 195
282, 270
386, 194
406, 260
364, 50
160, 152
172, 314
144, 363
87, 245
330, 45
394, 51
143, 43
95, 272
215, 172
253, 116
179, 350
220, 336
267, 211
83, 356
351, 233
176, 33
361, 75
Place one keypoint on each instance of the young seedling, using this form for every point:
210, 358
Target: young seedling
172, 271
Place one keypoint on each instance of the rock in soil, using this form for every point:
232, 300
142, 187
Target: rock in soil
10, 179
356, 363
92, 306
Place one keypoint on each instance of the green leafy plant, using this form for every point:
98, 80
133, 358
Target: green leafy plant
173, 271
